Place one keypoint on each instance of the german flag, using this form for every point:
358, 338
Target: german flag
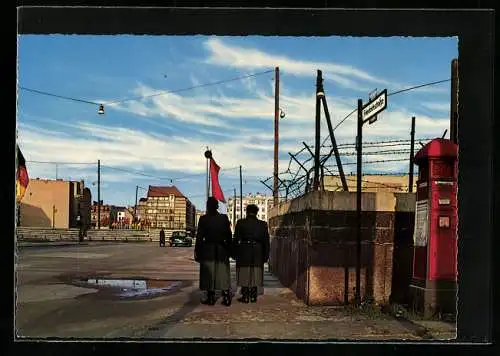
22, 178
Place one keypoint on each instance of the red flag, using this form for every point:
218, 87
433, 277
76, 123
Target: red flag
22, 180
214, 174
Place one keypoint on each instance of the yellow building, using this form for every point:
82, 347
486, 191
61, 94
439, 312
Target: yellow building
54, 203
372, 183
168, 208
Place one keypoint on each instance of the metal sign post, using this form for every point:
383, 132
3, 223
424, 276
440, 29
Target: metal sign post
366, 113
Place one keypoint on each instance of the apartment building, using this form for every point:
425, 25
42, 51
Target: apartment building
141, 209
54, 203
105, 215
121, 215
264, 203
166, 207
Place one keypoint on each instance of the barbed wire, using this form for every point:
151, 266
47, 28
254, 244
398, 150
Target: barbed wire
373, 162
376, 153
389, 94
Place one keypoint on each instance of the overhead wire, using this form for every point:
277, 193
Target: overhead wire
389, 94
58, 96
108, 103
68, 163
190, 88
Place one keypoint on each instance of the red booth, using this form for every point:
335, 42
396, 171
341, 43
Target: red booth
434, 280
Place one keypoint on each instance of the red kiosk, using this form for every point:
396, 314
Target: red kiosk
434, 280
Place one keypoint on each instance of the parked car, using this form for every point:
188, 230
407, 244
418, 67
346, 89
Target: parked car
181, 238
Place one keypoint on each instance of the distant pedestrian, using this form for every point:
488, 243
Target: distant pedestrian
162, 238
81, 227
212, 251
251, 251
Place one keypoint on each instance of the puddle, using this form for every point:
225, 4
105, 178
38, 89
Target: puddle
129, 288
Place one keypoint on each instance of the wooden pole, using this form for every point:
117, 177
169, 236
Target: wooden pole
276, 133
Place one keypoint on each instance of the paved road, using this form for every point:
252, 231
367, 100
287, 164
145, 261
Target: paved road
54, 301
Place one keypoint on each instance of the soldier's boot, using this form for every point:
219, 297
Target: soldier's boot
210, 298
227, 297
253, 295
245, 297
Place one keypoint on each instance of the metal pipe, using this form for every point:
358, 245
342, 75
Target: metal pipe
412, 140
276, 133
359, 146
317, 139
334, 145
98, 194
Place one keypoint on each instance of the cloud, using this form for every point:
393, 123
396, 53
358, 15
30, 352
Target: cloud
249, 58
128, 148
437, 106
348, 76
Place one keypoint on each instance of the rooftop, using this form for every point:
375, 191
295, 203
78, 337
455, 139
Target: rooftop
157, 191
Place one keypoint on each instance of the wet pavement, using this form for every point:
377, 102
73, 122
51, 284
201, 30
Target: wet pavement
143, 291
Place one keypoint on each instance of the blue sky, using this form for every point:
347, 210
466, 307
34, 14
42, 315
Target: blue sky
165, 136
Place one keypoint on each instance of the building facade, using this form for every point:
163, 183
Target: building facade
199, 214
121, 216
166, 207
105, 215
372, 183
55, 204
141, 209
263, 202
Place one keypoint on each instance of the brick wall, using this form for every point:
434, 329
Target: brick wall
313, 246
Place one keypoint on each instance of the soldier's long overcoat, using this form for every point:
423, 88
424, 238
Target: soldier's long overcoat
212, 251
251, 251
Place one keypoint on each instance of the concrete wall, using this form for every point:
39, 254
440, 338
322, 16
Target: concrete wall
46, 202
313, 246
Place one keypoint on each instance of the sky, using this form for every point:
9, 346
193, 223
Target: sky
160, 140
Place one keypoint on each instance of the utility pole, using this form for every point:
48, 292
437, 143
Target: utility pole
454, 102
241, 195
359, 148
276, 133
334, 142
319, 94
135, 206
234, 210
208, 156
412, 153
98, 194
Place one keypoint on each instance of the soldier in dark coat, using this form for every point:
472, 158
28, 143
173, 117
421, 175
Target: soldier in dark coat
212, 251
251, 251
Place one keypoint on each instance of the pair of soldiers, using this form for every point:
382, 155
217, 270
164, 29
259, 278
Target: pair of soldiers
215, 245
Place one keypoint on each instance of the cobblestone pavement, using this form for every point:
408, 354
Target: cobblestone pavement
51, 304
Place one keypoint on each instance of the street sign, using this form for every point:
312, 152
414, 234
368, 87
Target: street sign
375, 106
372, 95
